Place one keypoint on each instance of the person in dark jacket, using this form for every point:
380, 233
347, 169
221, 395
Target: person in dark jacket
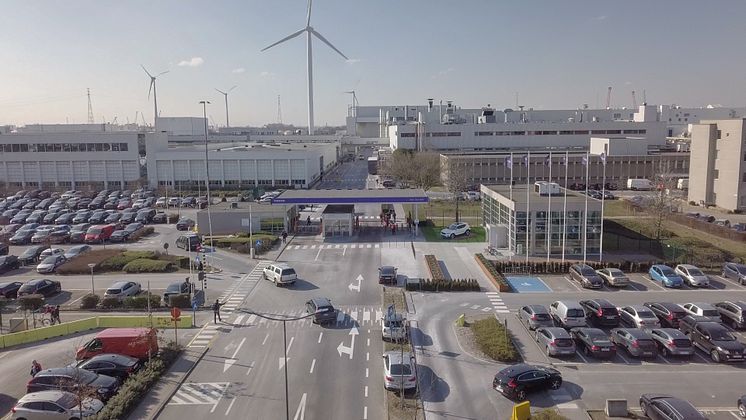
216, 311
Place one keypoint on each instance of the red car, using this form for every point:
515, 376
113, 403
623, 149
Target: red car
98, 233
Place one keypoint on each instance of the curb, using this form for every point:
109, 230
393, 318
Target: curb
163, 403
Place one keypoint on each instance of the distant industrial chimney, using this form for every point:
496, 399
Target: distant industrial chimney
429, 104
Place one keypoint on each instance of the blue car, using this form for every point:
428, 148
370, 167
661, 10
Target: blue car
665, 275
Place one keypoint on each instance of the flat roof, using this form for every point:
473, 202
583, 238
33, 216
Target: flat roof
351, 196
519, 195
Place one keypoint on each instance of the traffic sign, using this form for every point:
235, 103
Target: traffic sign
258, 242
175, 314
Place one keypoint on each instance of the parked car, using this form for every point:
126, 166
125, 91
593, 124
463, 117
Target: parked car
189, 242
703, 309
387, 274
58, 405
133, 227
741, 404
455, 229
732, 313
672, 342
140, 343
9, 230
713, 338
44, 287
394, 327
666, 407
159, 218
9, 263
322, 309
31, 254
517, 381
399, 371
122, 289
98, 217
666, 275
82, 217
177, 288
692, 275
22, 237
50, 264
735, 271
77, 232
184, 224
77, 251
586, 276
51, 251
638, 316
613, 277
668, 313
600, 312
10, 290
535, 316
120, 235
71, 379
174, 202
567, 314
115, 365
636, 341
556, 341
594, 342
4, 248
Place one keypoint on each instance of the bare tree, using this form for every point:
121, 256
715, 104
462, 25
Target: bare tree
456, 181
425, 170
662, 202
399, 165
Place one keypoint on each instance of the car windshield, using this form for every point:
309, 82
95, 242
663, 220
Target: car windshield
741, 269
50, 259
113, 291
710, 312
575, 313
453, 226
695, 272
645, 314
667, 272
722, 335
174, 287
401, 369
93, 231
67, 401
617, 274
587, 271
288, 272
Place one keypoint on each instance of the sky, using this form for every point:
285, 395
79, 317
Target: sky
549, 54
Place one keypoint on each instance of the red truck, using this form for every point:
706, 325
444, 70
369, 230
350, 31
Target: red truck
135, 342
98, 233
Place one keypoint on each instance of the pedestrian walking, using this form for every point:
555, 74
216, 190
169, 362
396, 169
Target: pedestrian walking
56, 315
35, 368
308, 221
284, 237
216, 311
393, 228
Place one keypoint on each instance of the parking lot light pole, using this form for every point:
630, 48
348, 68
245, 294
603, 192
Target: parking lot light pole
207, 177
93, 290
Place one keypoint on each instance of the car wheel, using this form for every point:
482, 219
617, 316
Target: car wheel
521, 395
451, 236
644, 408
715, 356
666, 352
549, 353
742, 410
556, 383
468, 232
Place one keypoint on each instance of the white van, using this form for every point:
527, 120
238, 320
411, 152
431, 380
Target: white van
280, 274
567, 314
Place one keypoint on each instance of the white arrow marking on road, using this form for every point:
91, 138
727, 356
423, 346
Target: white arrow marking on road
359, 280
230, 362
300, 413
349, 350
281, 363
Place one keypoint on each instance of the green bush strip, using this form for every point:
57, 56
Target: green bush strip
432, 265
495, 340
143, 265
495, 276
456, 285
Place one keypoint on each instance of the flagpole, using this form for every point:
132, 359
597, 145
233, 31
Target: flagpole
603, 198
585, 212
528, 198
549, 210
564, 208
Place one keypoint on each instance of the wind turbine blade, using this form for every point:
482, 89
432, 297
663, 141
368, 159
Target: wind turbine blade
146, 70
163, 72
285, 39
324, 40
150, 89
234, 86
308, 14
224, 93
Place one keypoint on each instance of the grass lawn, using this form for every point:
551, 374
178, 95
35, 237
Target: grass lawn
616, 208
494, 340
443, 212
432, 234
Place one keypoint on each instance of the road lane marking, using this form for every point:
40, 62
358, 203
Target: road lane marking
265, 339
581, 356
300, 413
251, 319
336, 246
366, 316
572, 283
314, 247
366, 372
317, 255
366, 391
367, 356
369, 246
365, 413
290, 345
238, 320
230, 362
321, 334
233, 400
368, 342
251, 366
377, 245
344, 251
313, 364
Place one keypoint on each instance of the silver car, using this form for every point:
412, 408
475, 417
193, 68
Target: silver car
704, 309
50, 263
399, 370
692, 275
557, 341
535, 316
613, 277
639, 316
122, 289
672, 342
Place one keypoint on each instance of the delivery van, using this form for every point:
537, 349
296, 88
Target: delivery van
134, 342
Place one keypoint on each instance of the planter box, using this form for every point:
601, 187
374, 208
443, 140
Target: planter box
495, 278
434, 268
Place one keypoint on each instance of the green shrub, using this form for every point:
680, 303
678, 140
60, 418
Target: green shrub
183, 300
111, 303
144, 265
494, 340
117, 262
89, 301
79, 265
547, 414
31, 302
147, 230
141, 301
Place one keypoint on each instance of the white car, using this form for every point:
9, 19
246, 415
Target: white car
455, 229
51, 251
122, 289
280, 274
692, 275
639, 316
472, 195
138, 204
174, 202
54, 405
50, 263
399, 370
703, 309
160, 202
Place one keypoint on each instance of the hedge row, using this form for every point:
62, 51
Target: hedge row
143, 265
242, 243
131, 302
117, 262
543, 267
434, 268
496, 275
441, 285
495, 340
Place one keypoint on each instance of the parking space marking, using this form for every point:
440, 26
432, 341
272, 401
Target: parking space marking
580, 354
618, 353
729, 281
648, 280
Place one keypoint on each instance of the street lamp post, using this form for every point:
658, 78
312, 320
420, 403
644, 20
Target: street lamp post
93, 289
207, 177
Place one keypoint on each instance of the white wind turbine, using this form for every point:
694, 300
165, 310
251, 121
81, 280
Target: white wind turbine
227, 123
309, 58
152, 88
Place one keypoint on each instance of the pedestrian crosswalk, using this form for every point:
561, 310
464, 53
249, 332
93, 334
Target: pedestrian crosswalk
347, 317
195, 393
497, 303
345, 247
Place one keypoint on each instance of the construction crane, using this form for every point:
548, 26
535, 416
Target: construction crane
634, 100
608, 99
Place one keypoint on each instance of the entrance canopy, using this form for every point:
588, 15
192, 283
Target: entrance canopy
351, 196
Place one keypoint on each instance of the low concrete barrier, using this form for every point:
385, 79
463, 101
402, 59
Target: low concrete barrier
72, 327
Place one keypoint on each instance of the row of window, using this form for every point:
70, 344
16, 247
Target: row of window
64, 147
529, 133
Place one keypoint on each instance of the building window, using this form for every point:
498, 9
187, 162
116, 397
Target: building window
719, 134
716, 172
743, 178
123, 147
405, 135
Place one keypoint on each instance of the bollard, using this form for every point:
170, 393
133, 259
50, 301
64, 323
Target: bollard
461, 320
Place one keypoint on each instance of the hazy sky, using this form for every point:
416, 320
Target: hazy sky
555, 54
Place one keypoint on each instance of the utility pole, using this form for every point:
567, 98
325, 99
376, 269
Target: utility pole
90, 107
279, 111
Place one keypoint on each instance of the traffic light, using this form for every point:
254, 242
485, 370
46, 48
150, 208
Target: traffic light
201, 276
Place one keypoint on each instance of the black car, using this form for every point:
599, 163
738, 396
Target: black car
22, 237
65, 219
176, 289
120, 235
133, 227
517, 381
31, 254
159, 218
70, 379
322, 310
77, 232
666, 407
113, 218
184, 224
43, 287
742, 406
114, 365
4, 249
82, 216
668, 313
127, 218
600, 312
10, 290
387, 275
594, 342
9, 263
98, 217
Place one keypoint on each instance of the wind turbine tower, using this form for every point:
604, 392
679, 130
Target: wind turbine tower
227, 121
310, 33
155, 96
279, 111
90, 107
